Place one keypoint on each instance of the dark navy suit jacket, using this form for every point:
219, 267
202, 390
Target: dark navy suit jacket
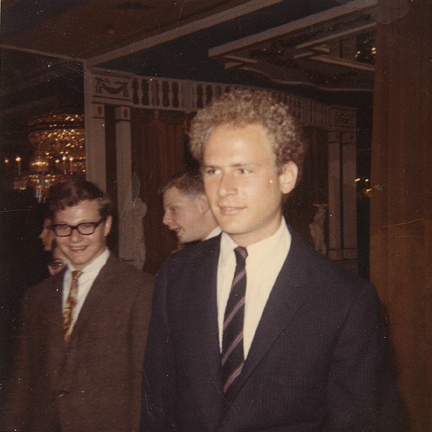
318, 361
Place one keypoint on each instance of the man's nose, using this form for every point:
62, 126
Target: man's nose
226, 184
166, 219
75, 235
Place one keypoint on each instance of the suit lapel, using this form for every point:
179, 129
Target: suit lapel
53, 311
206, 280
95, 297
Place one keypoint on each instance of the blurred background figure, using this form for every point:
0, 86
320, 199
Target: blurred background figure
316, 228
139, 248
186, 208
58, 261
47, 235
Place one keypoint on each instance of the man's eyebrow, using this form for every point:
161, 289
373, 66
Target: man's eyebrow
242, 164
210, 166
234, 165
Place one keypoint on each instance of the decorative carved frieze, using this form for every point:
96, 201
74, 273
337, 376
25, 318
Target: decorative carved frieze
343, 119
112, 88
189, 96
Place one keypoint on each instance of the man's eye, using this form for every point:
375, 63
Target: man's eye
62, 227
210, 171
85, 226
244, 171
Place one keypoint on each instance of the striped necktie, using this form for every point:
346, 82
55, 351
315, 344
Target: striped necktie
70, 306
232, 340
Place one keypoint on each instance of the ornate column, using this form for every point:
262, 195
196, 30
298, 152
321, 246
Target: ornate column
124, 182
349, 198
94, 133
334, 192
342, 207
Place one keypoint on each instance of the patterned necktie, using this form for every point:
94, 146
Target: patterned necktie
232, 340
70, 306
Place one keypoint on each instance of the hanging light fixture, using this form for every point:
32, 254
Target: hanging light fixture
60, 139
59, 152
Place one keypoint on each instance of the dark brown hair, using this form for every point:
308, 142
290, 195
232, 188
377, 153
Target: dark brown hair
72, 192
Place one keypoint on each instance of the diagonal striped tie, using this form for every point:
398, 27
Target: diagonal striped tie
70, 306
232, 341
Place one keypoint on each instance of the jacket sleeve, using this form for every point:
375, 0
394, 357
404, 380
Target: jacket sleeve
138, 329
362, 394
158, 391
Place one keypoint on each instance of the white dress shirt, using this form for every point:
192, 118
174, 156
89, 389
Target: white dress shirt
85, 281
263, 264
214, 233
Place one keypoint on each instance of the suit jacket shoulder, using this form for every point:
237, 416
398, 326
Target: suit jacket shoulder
114, 278
114, 269
189, 259
310, 265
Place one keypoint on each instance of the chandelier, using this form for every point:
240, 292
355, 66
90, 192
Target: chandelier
58, 152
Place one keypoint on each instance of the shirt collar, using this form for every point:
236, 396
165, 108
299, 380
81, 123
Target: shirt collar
264, 249
95, 265
214, 233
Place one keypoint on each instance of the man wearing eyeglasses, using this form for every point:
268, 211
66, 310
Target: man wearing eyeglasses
81, 342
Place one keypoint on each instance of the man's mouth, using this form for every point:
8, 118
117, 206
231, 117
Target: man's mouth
77, 249
230, 211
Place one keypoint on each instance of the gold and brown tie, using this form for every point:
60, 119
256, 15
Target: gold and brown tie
232, 340
70, 306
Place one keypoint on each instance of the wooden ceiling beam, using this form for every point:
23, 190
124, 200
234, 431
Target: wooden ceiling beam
227, 15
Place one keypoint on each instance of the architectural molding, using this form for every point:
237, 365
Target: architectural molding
110, 87
127, 91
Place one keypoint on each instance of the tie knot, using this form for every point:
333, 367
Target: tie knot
76, 274
241, 254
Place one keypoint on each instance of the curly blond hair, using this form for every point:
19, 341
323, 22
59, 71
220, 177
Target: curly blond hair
240, 108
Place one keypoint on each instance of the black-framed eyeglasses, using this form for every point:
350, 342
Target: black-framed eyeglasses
85, 228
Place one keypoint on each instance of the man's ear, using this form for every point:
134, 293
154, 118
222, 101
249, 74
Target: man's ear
203, 203
108, 224
288, 177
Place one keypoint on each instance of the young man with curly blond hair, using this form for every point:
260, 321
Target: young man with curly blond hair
253, 330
